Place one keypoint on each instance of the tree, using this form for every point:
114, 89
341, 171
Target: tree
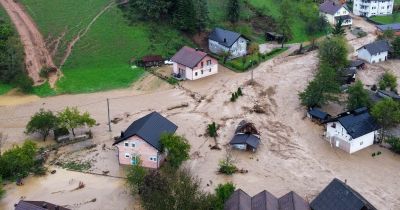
338, 30
212, 129
202, 14
394, 143
177, 148
322, 89
388, 34
396, 47
387, 114
154, 10
358, 97
233, 11
135, 177
71, 119
185, 15
284, 21
2, 191
222, 193
42, 122
333, 52
388, 81
315, 25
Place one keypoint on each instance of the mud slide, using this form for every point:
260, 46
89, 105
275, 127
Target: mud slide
36, 53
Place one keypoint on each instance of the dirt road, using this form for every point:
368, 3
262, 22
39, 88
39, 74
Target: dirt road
36, 53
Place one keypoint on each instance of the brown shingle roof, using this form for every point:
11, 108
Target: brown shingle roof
188, 57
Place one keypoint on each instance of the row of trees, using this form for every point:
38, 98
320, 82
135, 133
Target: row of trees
12, 69
43, 122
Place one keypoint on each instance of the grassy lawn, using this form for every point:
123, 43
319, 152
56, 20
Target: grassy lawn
386, 19
100, 60
4, 88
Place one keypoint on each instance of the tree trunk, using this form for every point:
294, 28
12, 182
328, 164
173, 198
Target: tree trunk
73, 132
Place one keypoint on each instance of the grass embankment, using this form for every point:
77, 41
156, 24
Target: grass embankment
99, 60
387, 19
4, 88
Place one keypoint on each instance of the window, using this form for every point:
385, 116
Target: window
333, 125
209, 70
361, 143
133, 145
195, 74
208, 62
153, 159
202, 64
127, 155
126, 144
202, 71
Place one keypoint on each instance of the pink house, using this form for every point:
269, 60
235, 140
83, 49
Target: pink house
141, 141
192, 64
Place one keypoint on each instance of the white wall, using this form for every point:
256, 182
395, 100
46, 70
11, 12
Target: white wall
239, 146
365, 55
238, 49
362, 142
341, 12
373, 8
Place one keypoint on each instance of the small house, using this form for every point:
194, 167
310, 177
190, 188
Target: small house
246, 137
374, 52
240, 200
334, 11
315, 114
368, 8
357, 64
193, 64
37, 205
224, 41
141, 141
151, 60
352, 131
395, 27
339, 195
273, 36
348, 75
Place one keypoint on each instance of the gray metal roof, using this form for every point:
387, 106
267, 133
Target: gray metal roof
149, 128
377, 47
264, 201
317, 113
224, 37
329, 7
392, 26
248, 139
239, 200
188, 57
356, 63
339, 196
358, 123
292, 201
388, 94
37, 205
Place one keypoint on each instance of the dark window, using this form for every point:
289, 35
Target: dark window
208, 62
195, 74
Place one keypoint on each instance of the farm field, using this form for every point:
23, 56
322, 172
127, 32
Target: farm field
386, 19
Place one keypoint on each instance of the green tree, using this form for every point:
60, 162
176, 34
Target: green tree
358, 97
388, 81
42, 122
396, 47
222, 193
333, 52
177, 148
2, 191
135, 177
322, 89
71, 119
18, 161
388, 34
285, 20
185, 16
315, 26
338, 30
233, 11
202, 14
154, 10
394, 143
387, 114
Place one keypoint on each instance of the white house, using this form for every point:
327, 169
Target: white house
333, 12
192, 64
222, 41
352, 131
370, 8
374, 52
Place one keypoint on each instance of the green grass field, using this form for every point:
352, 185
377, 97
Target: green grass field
100, 60
386, 19
4, 88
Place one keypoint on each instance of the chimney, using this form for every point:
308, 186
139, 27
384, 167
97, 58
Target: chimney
345, 181
122, 134
224, 40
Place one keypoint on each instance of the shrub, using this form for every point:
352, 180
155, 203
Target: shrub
24, 83
178, 149
212, 129
222, 193
2, 191
172, 81
233, 97
135, 177
239, 91
227, 167
394, 143
388, 80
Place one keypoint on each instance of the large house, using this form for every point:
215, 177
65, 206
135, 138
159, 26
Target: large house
352, 131
264, 200
192, 64
374, 52
370, 8
339, 195
141, 141
223, 41
334, 12
37, 205
246, 137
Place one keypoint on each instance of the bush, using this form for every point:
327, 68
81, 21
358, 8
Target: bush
172, 81
24, 83
388, 80
222, 193
2, 191
212, 129
394, 142
239, 91
233, 97
135, 177
227, 167
178, 149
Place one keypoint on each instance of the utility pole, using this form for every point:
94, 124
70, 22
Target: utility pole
108, 111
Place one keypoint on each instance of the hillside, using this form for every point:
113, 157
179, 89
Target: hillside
3, 87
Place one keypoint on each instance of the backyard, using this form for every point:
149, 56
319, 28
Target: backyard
387, 19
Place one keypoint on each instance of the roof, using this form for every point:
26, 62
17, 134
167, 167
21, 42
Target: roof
264, 200
343, 17
358, 122
389, 94
338, 195
150, 58
188, 57
317, 113
224, 37
248, 139
392, 26
239, 200
149, 128
329, 7
376, 47
356, 63
37, 205
246, 127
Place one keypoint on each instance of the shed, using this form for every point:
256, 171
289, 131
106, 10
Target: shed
316, 114
245, 142
151, 60
273, 36
37, 205
358, 64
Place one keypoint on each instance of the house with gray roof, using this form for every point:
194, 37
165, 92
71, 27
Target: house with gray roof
395, 27
264, 200
335, 11
374, 52
37, 205
140, 142
224, 41
193, 64
368, 8
246, 137
338, 195
352, 131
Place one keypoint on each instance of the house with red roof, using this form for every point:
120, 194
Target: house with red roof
192, 64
